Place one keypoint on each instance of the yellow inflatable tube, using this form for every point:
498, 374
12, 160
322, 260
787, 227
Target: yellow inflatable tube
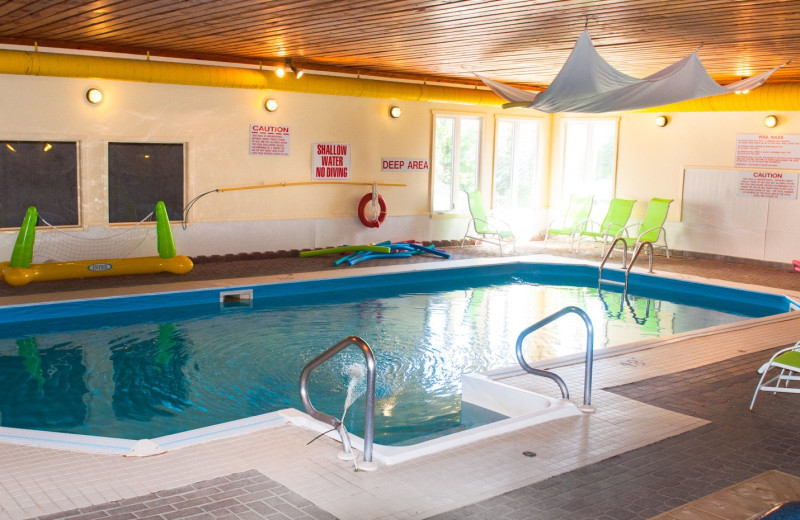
18, 276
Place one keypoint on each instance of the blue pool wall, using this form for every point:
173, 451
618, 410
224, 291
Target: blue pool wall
752, 303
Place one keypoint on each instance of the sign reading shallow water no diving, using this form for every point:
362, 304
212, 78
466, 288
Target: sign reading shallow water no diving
330, 161
768, 185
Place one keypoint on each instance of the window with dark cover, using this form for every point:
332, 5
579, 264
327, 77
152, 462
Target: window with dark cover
42, 174
140, 175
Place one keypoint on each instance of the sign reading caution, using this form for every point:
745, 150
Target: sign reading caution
330, 162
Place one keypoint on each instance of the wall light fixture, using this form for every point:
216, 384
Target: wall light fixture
94, 96
395, 112
771, 121
662, 121
271, 105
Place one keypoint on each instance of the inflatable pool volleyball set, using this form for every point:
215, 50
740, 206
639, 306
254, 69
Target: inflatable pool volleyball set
21, 271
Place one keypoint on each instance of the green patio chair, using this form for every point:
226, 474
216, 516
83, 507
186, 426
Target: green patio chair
574, 220
487, 229
616, 219
788, 361
651, 228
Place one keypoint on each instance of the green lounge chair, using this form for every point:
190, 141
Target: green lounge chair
651, 229
489, 230
574, 220
788, 361
619, 211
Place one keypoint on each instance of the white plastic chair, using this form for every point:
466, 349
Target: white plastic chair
788, 361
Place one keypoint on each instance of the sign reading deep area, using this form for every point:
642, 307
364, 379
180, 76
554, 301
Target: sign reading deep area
768, 151
330, 161
269, 140
768, 185
404, 165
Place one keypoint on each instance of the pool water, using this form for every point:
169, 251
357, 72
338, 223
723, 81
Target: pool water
150, 373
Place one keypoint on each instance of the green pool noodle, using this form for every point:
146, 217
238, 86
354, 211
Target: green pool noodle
344, 249
22, 254
166, 244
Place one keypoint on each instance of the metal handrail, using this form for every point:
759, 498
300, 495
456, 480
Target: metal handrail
608, 254
587, 384
369, 412
635, 256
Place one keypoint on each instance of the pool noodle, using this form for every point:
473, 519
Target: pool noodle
378, 255
430, 249
344, 249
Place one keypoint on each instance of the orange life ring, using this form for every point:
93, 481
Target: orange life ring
362, 206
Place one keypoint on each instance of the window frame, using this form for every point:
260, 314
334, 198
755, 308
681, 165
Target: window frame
615, 156
184, 176
78, 175
538, 162
455, 207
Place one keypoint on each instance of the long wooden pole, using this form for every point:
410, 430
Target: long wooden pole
309, 183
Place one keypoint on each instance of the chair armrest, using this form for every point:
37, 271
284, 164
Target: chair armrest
646, 231
591, 222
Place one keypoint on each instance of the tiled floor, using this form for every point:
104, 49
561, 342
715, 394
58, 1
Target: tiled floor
660, 412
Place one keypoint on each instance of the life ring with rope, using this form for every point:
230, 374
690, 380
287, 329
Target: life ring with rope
379, 216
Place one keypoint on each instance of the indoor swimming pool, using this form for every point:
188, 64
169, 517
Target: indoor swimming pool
153, 365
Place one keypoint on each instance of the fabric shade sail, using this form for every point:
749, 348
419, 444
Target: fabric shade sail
588, 84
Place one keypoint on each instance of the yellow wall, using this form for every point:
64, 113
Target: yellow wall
214, 123
652, 159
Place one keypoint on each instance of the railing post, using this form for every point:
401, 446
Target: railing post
369, 412
587, 385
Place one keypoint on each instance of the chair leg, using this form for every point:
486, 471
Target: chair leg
758, 387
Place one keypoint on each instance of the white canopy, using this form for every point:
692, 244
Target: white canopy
588, 84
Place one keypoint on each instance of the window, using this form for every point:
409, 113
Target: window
457, 142
140, 175
590, 151
42, 174
516, 158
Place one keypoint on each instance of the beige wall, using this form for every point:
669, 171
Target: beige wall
214, 124
652, 161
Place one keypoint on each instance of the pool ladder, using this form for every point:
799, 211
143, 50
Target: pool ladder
625, 265
587, 381
369, 408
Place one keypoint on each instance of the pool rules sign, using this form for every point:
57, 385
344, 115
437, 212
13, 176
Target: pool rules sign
330, 161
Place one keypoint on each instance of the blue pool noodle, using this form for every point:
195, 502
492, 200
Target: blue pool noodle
430, 249
377, 255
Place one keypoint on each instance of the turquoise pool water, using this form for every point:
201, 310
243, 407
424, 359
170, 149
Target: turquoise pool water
148, 366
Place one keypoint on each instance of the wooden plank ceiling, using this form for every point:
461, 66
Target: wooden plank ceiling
518, 41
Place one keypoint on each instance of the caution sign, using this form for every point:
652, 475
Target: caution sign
330, 162
269, 140
768, 185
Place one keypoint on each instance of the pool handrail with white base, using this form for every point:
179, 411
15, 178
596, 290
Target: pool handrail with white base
587, 384
635, 256
624, 266
369, 412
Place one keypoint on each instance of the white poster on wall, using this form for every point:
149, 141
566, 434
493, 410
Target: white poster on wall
269, 140
330, 161
768, 151
768, 185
